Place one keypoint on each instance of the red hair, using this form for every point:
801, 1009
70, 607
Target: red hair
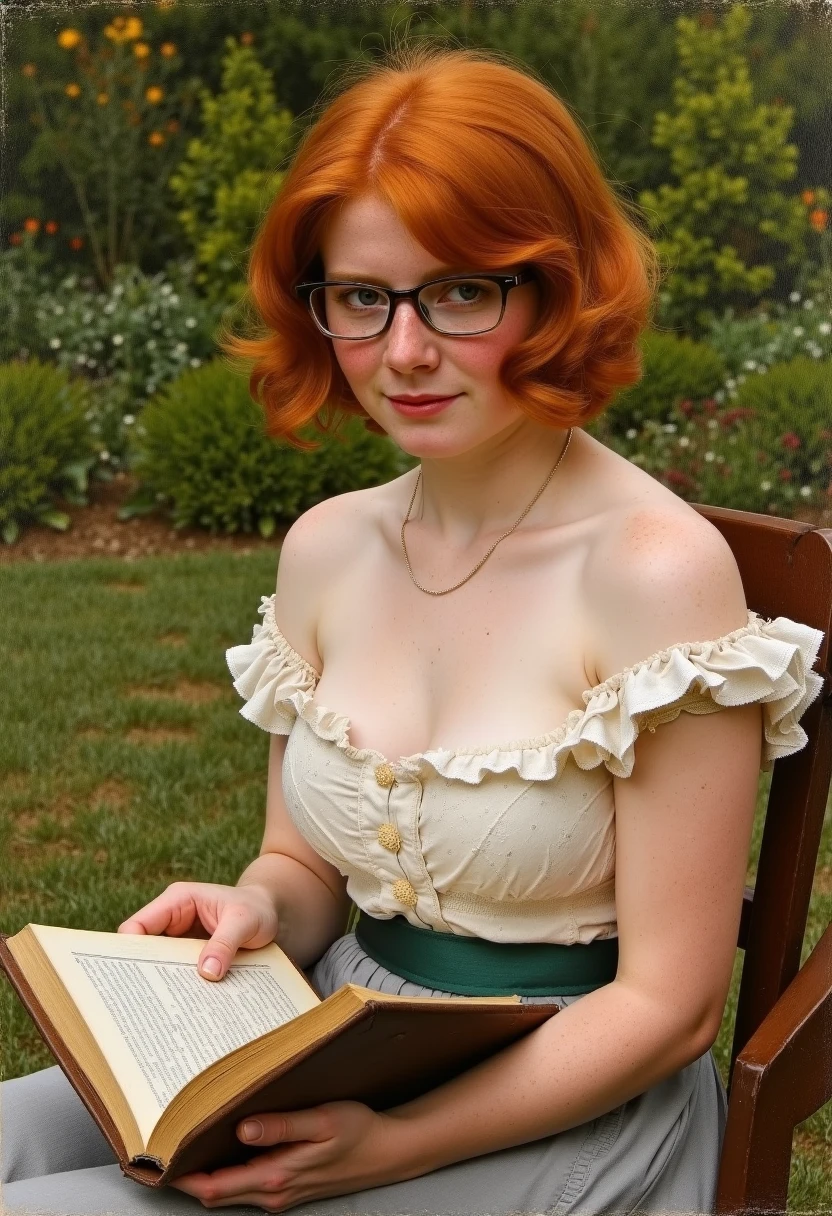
485, 166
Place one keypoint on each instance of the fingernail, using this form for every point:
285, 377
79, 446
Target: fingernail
212, 966
252, 1129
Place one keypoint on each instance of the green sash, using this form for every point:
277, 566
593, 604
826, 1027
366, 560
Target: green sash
473, 966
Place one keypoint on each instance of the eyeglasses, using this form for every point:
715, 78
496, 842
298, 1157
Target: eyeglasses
457, 305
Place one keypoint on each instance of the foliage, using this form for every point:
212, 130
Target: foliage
767, 452
673, 368
44, 445
111, 122
754, 342
205, 455
227, 178
26, 276
724, 223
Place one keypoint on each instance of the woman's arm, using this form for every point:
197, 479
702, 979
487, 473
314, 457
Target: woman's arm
309, 895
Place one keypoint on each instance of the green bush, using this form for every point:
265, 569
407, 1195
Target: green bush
45, 445
204, 456
674, 369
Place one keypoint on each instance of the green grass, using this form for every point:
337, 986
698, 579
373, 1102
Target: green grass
124, 765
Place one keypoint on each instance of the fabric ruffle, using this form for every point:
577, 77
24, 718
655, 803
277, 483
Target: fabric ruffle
768, 662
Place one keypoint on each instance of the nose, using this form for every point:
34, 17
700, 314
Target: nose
409, 341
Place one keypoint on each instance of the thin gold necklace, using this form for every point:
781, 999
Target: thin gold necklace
496, 542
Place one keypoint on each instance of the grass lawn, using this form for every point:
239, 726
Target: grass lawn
124, 765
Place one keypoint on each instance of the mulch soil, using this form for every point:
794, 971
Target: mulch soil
96, 531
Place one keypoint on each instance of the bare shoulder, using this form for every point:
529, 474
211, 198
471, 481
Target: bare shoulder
321, 542
658, 574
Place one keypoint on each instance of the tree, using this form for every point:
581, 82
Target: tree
229, 174
724, 223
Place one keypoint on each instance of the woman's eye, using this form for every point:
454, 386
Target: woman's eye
361, 297
467, 293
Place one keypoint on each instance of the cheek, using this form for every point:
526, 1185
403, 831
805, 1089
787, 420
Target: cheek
357, 360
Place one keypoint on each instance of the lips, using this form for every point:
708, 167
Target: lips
422, 398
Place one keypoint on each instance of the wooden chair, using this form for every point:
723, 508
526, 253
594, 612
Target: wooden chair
781, 1057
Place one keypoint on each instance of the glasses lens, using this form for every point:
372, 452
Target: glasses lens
463, 306
350, 312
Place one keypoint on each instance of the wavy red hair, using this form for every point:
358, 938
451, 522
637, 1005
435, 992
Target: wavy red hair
485, 166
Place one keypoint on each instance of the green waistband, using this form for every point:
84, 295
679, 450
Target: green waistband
473, 966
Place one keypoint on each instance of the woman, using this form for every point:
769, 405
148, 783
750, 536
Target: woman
446, 260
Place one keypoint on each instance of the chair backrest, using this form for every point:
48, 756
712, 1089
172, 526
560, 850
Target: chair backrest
786, 570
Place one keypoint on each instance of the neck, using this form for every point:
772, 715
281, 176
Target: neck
464, 500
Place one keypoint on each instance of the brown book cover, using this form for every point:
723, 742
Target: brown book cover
385, 1052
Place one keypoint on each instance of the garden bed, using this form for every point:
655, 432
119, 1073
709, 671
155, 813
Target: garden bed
96, 531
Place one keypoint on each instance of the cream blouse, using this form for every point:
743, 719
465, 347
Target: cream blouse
514, 842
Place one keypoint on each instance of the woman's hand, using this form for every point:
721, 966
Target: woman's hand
332, 1149
230, 916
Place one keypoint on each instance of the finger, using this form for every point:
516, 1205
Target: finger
235, 927
172, 912
262, 1174
282, 1128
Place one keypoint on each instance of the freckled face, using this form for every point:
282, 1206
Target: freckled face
365, 241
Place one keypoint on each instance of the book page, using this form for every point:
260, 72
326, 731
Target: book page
157, 1021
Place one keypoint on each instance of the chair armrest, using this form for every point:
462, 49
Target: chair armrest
781, 1077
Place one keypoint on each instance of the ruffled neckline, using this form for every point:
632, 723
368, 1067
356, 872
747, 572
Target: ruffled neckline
760, 653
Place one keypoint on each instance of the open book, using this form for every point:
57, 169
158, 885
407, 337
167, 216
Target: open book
168, 1062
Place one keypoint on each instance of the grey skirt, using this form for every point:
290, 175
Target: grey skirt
658, 1152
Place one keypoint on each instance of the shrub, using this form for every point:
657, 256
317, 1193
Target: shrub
45, 447
674, 369
774, 334
204, 455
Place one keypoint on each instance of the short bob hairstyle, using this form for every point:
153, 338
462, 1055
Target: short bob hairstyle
486, 168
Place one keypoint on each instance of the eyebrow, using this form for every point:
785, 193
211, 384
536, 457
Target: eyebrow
351, 276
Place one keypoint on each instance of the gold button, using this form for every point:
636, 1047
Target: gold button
404, 893
388, 835
385, 776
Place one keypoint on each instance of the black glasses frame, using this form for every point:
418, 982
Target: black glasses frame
504, 281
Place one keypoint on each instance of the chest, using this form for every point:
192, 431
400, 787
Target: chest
505, 656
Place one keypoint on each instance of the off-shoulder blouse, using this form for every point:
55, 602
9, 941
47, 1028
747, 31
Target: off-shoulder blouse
513, 841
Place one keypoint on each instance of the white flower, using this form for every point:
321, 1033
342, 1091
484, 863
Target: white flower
117, 339
128, 419
730, 382
181, 348
720, 460
118, 290
174, 299
632, 432
190, 322
794, 297
824, 327
750, 364
808, 304
741, 379
166, 289
105, 455
110, 307
798, 331
54, 343
92, 363
709, 456
150, 344
712, 424
196, 362
765, 485
806, 491
58, 310
684, 442
669, 428
81, 358
86, 317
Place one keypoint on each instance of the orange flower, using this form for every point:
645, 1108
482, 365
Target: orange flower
15, 238
246, 39
154, 94
168, 49
73, 90
808, 197
156, 138
29, 69
69, 39
31, 225
123, 29
103, 98
51, 226
133, 28
818, 219
76, 242
141, 50
172, 125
